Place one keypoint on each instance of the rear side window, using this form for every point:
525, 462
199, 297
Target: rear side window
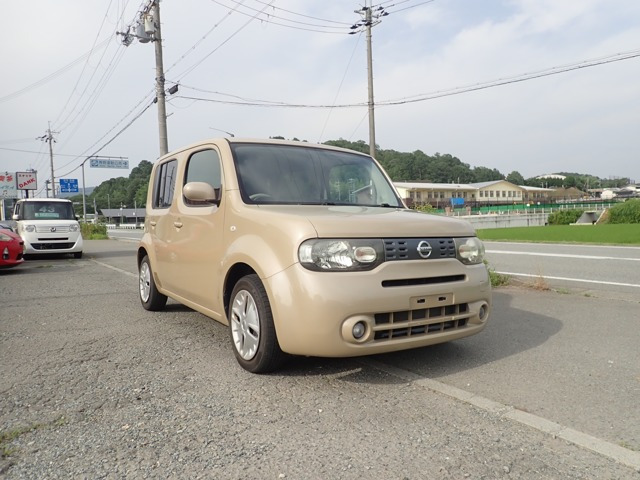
204, 166
165, 184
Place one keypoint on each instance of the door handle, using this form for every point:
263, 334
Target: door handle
152, 223
177, 224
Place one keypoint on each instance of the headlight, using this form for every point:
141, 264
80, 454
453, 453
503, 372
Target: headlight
341, 254
5, 238
469, 251
73, 227
29, 228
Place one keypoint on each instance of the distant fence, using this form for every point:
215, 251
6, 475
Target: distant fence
123, 226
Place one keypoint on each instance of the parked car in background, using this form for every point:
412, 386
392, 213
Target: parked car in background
48, 225
307, 250
11, 247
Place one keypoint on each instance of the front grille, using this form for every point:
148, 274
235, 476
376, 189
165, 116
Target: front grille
407, 248
52, 246
423, 321
47, 228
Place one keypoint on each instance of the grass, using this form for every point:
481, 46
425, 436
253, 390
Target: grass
9, 436
611, 234
497, 279
94, 232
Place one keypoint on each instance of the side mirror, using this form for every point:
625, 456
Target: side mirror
15, 216
201, 193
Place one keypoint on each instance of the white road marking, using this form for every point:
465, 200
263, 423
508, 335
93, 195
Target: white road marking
580, 280
580, 245
563, 255
106, 265
611, 450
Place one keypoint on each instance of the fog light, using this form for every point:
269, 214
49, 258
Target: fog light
483, 312
358, 330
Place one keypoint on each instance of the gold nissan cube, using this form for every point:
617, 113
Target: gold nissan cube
305, 249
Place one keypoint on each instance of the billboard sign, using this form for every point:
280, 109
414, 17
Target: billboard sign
8, 185
27, 180
108, 163
68, 185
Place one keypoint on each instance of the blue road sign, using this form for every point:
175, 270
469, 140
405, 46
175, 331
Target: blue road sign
68, 185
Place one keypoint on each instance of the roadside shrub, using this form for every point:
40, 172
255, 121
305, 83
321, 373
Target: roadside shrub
627, 212
93, 232
426, 208
565, 217
497, 279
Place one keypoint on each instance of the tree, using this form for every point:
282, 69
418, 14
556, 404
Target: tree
515, 178
484, 174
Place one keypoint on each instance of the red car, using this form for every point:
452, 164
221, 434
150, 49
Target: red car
11, 249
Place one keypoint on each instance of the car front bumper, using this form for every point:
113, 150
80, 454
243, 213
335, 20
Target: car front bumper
401, 305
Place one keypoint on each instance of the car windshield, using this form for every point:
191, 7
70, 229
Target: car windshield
284, 174
47, 211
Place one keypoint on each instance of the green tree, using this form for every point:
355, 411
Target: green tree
484, 174
515, 178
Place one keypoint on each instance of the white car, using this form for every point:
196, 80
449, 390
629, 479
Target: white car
48, 225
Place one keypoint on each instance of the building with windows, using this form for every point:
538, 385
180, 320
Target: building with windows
484, 193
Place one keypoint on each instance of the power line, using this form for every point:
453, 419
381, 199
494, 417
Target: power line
194, 66
84, 67
305, 16
184, 55
424, 96
268, 19
53, 75
36, 152
335, 99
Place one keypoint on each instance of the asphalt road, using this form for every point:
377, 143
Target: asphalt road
606, 271
93, 386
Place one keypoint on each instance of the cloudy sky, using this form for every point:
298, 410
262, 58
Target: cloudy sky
477, 80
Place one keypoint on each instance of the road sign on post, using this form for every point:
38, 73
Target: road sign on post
108, 163
69, 185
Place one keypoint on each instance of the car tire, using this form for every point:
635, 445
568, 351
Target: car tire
150, 297
77, 254
253, 334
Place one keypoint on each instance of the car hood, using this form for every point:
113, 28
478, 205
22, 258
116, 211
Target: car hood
374, 222
13, 235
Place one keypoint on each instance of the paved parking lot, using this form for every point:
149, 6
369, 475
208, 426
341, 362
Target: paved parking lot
93, 386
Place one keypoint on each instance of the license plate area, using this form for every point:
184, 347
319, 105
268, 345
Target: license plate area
431, 301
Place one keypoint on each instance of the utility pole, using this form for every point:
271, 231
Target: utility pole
369, 20
160, 95
48, 137
148, 29
372, 121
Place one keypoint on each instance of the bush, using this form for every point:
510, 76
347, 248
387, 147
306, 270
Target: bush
426, 208
627, 212
497, 279
93, 232
565, 217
